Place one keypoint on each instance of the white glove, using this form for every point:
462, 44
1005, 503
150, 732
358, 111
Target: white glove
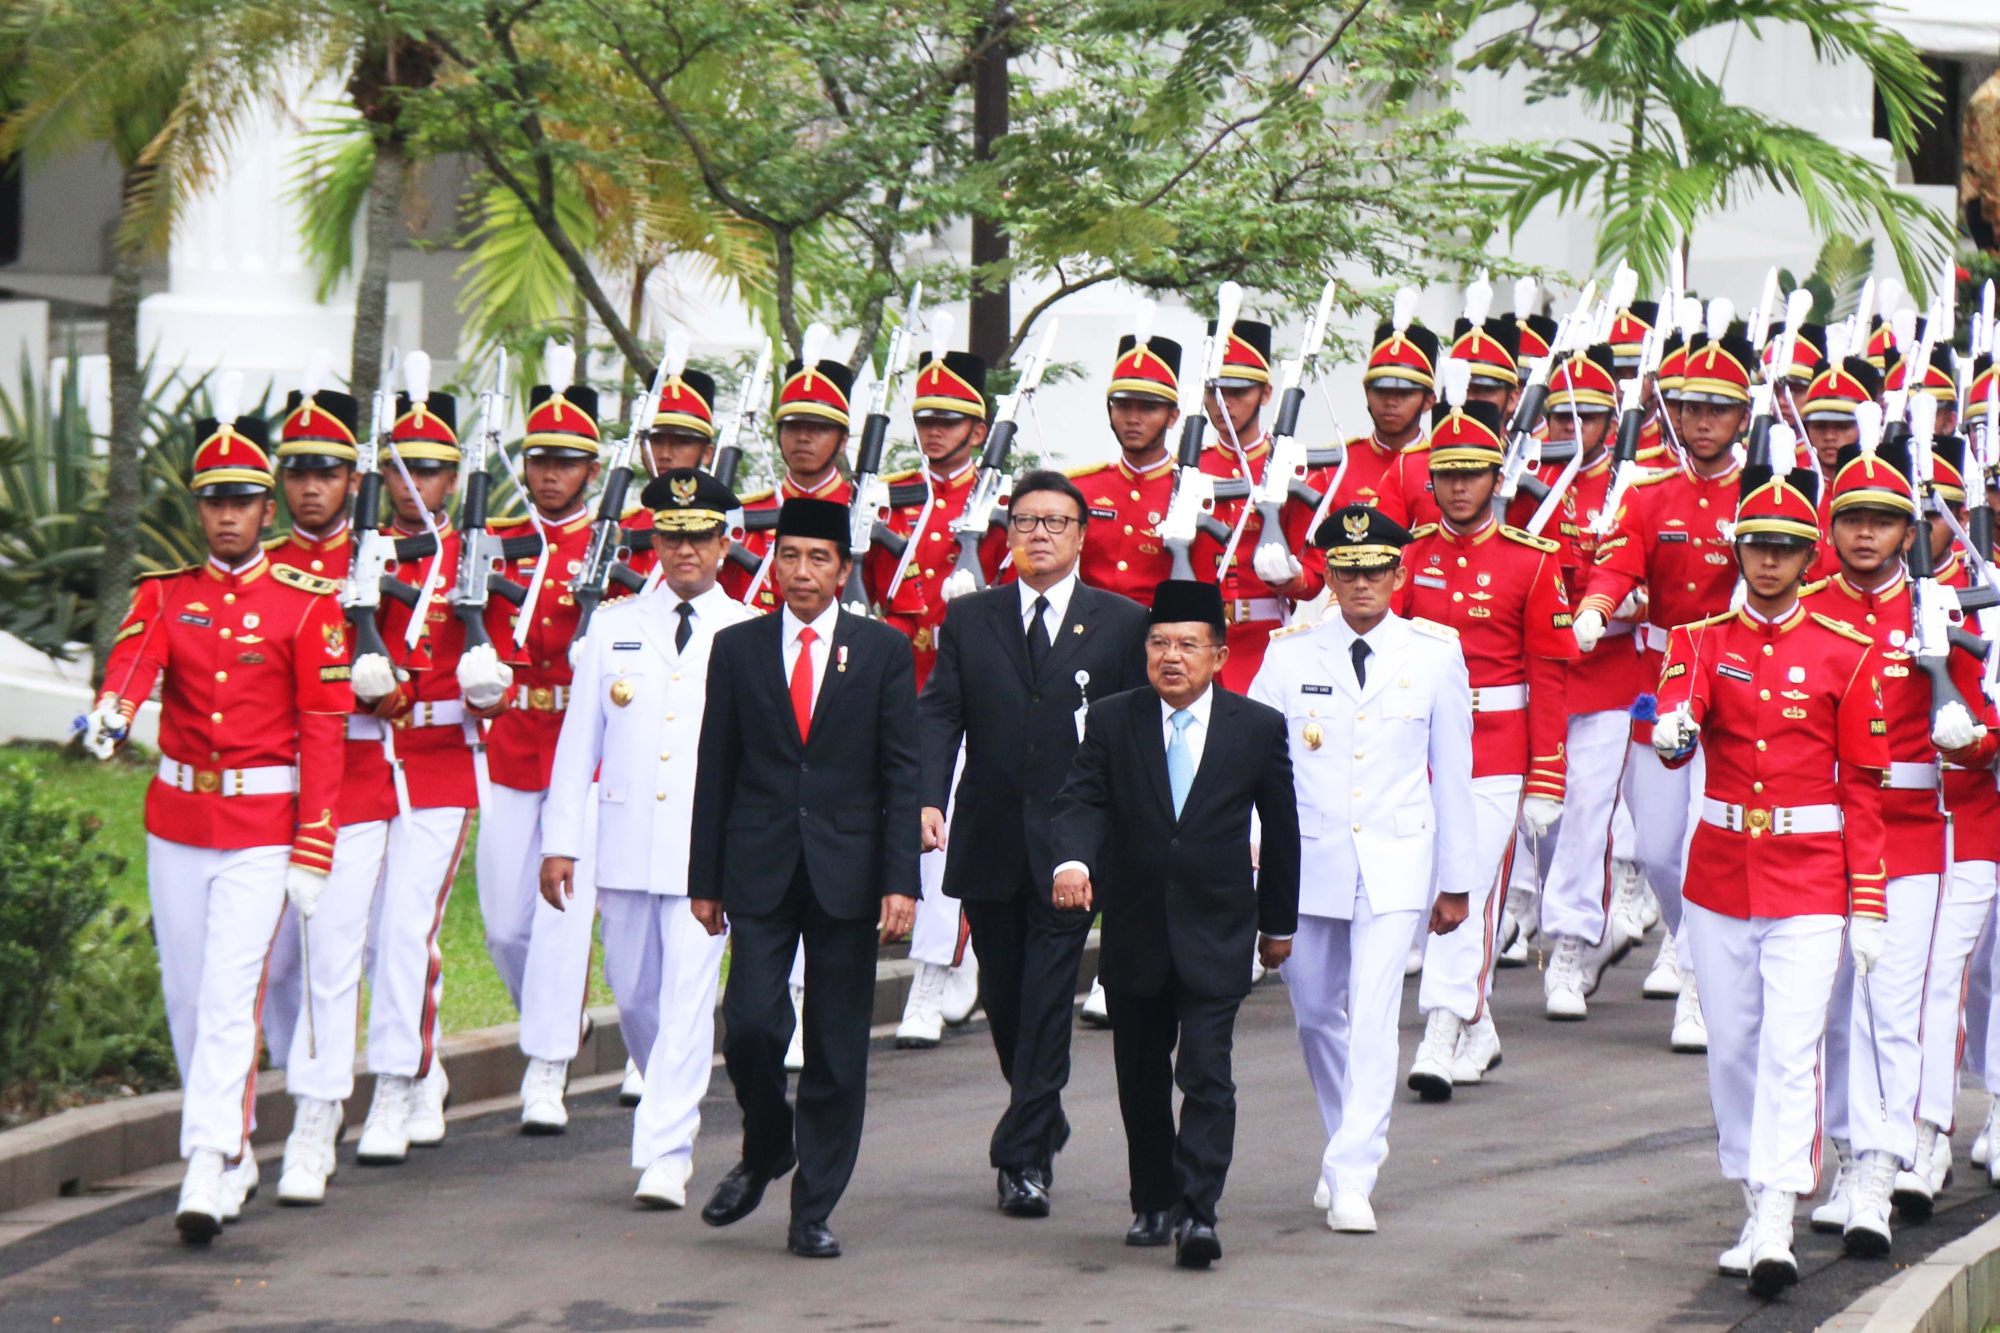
482, 677
1674, 733
575, 652
1540, 813
1588, 628
1864, 941
103, 728
303, 887
956, 584
374, 679
1632, 607
1953, 728
1274, 564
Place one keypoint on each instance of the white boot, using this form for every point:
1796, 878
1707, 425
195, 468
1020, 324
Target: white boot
923, 1013
1649, 904
1866, 1235
1628, 906
961, 991
1351, 1213
665, 1183
309, 1152
1322, 1196
1690, 1031
1735, 1261
1913, 1194
1562, 982
239, 1184
542, 1088
1413, 964
1594, 960
1478, 1050
385, 1134
1982, 1146
1831, 1216
1517, 924
1772, 1267
425, 1128
1430, 1072
1095, 1012
1940, 1163
1664, 981
633, 1089
198, 1215
795, 1051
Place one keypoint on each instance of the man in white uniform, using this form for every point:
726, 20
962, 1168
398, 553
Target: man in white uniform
635, 710
1379, 715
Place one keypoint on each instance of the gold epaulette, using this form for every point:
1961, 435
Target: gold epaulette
755, 497
293, 577
1720, 617
1085, 470
1548, 544
1283, 630
1812, 588
161, 573
1652, 477
1434, 629
907, 474
273, 543
1842, 628
507, 520
1422, 531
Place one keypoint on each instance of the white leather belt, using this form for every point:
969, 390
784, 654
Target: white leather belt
540, 698
1615, 627
1499, 698
362, 727
1656, 638
1245, 609
274, 780
438, 713
1912, 777
1770, 819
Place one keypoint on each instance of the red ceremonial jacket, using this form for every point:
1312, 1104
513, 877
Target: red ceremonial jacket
919, 605
1122, 551
521, 740
736, 580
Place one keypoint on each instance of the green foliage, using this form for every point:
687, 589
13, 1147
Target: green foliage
331, 176
1837, 277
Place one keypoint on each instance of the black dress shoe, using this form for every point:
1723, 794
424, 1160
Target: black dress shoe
1022, 1194
1150, 1230
738, 1193
811, 1240
1195, 1244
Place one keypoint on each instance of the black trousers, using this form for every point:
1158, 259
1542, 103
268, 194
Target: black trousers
825, 1134
1029, 954
1170, 1171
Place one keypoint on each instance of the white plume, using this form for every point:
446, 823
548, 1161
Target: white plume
559, 364
1839, 339
229, 396
417, 376
1797, 306
1142, 323
677, 351
319, 368
1688, 317
1478, 301
1923, 415
1404, 310
1455, 378
941, 329
1904, 326
1868, 426
1524, 297
1624, 286
1721, 313
813, 346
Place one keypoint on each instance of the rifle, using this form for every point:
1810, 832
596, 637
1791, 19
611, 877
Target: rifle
1525, 450
870, 501
368, 577
1936, 608
749, 405
1287, 463
601, 562
1194, 490
482, 557
972, 525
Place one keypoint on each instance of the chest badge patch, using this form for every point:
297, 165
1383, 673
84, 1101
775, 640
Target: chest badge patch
1313, 735
621, 691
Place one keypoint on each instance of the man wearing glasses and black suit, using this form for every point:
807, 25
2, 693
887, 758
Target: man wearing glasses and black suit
1017, 667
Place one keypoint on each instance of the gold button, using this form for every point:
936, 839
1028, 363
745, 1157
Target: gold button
214, 755
659, 796
937, 536
1768, 650
215, 717
1461, 562
1458, 597
1128, 529
1690, 587
230, 598
225, 633
670, 717
1361, 717
930, 573
665, 755
1235, 472
318, 565
1871, 617
545, 665
1357, 791
675, 676
1763, 694
1762, 745
1121, 566
547, 621
1357, 828
1135, 495
1756, 786
222, 675
1312, 712
1704, 504
1358, 754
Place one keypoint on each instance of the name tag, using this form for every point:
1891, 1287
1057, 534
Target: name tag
190, 619
1734, 673
1673, 537
1426, 581
626, 647
1103, 513
1316, 689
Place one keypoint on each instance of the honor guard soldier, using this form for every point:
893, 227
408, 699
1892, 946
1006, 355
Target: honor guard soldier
634, 722
1788, 848
682, 436
1630, 328
543, 955
1873, 510
252, 662
1827, 415
1492, 350
1791, 382
950, 412
1502, 591
1379, 715
1669, 538
1129, 495
1386, 467
812, 422
1939, 382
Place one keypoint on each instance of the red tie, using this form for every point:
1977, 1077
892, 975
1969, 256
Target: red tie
802, 683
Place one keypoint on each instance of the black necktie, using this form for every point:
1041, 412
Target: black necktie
686, 631
1359, 650
1038, 636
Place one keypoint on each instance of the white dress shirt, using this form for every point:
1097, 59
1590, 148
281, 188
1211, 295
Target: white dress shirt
1058, 595
1197, 730
822, 645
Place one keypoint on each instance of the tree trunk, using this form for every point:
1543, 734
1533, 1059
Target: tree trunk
991, 323
384, 215
122, 475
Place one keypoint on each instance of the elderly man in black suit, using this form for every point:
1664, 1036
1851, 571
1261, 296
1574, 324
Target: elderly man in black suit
806, 805
1017, 667
1153, 829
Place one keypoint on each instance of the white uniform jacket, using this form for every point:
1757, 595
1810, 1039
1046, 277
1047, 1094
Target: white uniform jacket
634, 723
1383, 771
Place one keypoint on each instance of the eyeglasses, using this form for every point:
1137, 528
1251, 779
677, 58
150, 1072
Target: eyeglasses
1185, 647
1053, 524
1348, 574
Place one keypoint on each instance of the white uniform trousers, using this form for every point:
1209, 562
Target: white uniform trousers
1881, 1119
214, 913
1773, 978
663, 968
1968, 904
1578, 891
938, 929
542, 955
323, 1065
1346, 982
1458, 968
1662, 801
405, 966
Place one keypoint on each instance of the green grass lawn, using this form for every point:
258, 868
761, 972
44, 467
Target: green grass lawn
116, 792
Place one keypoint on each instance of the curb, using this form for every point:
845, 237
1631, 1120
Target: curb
1953, 1289
67, 1154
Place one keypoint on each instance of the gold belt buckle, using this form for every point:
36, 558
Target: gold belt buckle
1236, 611
542, 699
1757, 821
207, 780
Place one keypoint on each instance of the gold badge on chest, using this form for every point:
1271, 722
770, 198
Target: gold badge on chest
621, 691
1313, 735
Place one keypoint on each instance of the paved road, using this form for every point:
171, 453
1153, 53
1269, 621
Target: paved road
1576, 1191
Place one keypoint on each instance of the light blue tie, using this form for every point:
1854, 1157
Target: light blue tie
1180, 760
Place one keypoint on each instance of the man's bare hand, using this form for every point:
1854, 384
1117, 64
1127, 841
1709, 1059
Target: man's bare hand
899, 913
934, 828
558, 880
1449, 912
1273, 953
708, 911
1071, 892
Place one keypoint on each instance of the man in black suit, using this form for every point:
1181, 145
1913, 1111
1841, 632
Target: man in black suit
1017, 666
806, 802
1153, 830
